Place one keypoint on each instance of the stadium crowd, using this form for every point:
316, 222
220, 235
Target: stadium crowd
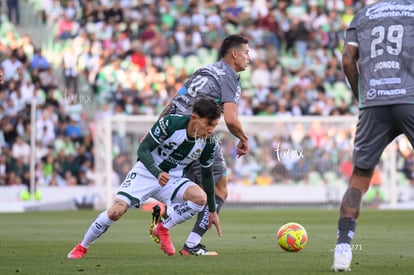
131, 56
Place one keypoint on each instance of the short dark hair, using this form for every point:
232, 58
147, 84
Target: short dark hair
206, 107
231, 42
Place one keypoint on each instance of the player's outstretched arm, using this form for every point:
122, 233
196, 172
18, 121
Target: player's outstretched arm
231, 118
208, 186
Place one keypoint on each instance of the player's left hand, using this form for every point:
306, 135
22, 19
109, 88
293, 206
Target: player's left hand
214, 219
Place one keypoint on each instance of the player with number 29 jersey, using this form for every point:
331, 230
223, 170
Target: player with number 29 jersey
377, 61
387, 72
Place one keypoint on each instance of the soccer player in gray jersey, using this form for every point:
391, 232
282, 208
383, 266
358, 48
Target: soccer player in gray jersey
172, 144
220, 82
377, 61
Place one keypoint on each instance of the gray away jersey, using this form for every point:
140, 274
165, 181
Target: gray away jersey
176, 151
218, 81
384, 34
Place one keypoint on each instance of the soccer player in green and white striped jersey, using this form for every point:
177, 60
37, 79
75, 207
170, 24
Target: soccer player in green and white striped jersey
172, 144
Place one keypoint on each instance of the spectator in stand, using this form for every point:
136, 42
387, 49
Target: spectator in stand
45, 128
21, 56
73, 130
260, 75
21, 169
21, 149
9, 133
66, 28
11, 66
231, 12
70, 167
70, 62
52, 13
272, 31
137, 57
48, 80
39, 62
4, 169
13, 11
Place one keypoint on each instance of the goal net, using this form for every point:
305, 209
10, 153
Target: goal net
293, 160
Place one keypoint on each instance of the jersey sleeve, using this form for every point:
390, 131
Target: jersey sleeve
208, 186
351, 33
207, 179
159, 131
230, 89
208, 154
157, 134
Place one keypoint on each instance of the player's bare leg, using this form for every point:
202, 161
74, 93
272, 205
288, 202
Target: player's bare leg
349, 212
220, 188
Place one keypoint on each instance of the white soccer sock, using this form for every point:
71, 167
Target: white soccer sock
184, 211
96, 229
193, 240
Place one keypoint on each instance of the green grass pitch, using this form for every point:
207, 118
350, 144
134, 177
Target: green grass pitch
38, 242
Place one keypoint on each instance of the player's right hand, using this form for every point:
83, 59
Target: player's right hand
243, 148
163, 178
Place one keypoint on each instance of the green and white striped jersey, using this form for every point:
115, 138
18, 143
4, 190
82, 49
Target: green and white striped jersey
176, 150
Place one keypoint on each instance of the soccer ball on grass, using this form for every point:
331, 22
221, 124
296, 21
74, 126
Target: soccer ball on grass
292, 237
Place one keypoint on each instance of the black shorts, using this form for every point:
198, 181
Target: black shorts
376, 128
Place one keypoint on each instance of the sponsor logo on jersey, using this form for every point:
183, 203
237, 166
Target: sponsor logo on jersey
178, 162
163, 123
157, 131
387, 65
384, 81
373, 93
392, 92
196, 154
389, 10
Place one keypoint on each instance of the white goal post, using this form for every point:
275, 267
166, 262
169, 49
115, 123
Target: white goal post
294, 160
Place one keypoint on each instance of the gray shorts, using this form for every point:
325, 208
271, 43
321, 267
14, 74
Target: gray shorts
219, 168
376, 128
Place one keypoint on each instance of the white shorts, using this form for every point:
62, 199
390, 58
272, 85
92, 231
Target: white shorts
140, 185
